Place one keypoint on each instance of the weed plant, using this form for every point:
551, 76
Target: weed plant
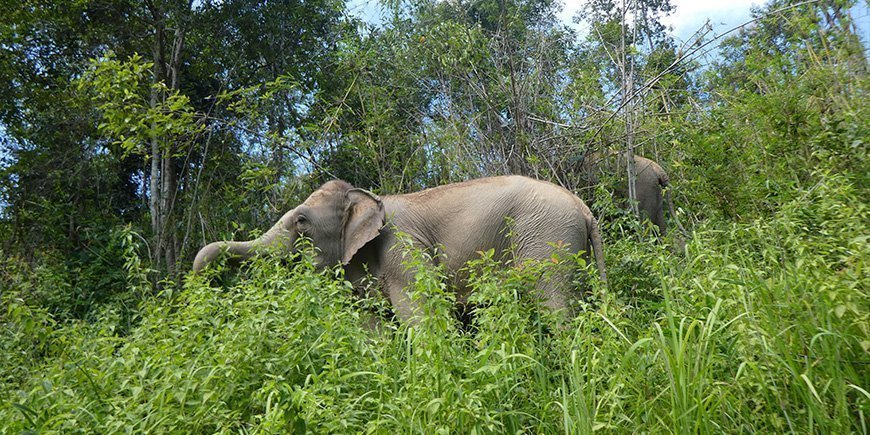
760, 327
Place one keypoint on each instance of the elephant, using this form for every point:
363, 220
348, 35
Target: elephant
358, 230
651, 184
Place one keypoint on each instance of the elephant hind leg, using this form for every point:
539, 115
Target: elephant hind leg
555, 292
555, 286
659, 221
650, 206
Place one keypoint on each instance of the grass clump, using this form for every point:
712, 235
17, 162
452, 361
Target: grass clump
761, 327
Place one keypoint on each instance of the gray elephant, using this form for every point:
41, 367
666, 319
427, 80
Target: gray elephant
358, 229
651, 183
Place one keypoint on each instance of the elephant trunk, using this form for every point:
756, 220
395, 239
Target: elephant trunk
277, 237
210, 252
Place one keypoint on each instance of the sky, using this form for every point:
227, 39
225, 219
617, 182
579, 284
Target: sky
724, 15
689, 15
687, 18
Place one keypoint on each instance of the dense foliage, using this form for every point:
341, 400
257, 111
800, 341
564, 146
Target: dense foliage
762, 327
134, 132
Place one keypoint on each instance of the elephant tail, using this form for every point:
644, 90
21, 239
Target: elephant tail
664, 180
597, 246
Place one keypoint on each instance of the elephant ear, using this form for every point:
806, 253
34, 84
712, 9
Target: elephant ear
364, 217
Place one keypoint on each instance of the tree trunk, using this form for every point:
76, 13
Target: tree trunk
629, 111
170, 172
277, 125
167, 195
154, 203
164, 177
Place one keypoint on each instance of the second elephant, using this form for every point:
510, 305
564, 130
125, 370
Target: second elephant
651, 184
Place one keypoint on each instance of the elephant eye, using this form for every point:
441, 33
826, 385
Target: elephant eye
301, 219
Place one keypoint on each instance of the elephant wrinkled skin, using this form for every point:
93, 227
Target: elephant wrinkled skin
356, 228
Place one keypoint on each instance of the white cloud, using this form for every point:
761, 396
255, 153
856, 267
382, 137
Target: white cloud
688, 16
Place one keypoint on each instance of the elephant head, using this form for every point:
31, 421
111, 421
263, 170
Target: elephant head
338, 218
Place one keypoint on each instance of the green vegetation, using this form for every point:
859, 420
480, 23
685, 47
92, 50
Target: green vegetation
135, 132
762, 327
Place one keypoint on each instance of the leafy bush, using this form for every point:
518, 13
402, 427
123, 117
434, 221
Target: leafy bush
762, 327
107, 275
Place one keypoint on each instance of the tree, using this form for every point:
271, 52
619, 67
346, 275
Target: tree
637, 75
58, 179
493, 68
784, 102
63, 174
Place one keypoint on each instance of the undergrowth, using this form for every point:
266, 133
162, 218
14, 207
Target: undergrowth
759, 327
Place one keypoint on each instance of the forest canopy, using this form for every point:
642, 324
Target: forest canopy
135, 132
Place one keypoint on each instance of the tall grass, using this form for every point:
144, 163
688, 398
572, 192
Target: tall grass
761, 327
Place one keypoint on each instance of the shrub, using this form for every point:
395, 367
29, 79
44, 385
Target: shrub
761, 327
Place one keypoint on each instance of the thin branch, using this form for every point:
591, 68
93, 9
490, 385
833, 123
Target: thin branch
266, 137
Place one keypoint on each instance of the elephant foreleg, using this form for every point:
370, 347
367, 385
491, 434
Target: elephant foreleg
405, 308
397, 283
